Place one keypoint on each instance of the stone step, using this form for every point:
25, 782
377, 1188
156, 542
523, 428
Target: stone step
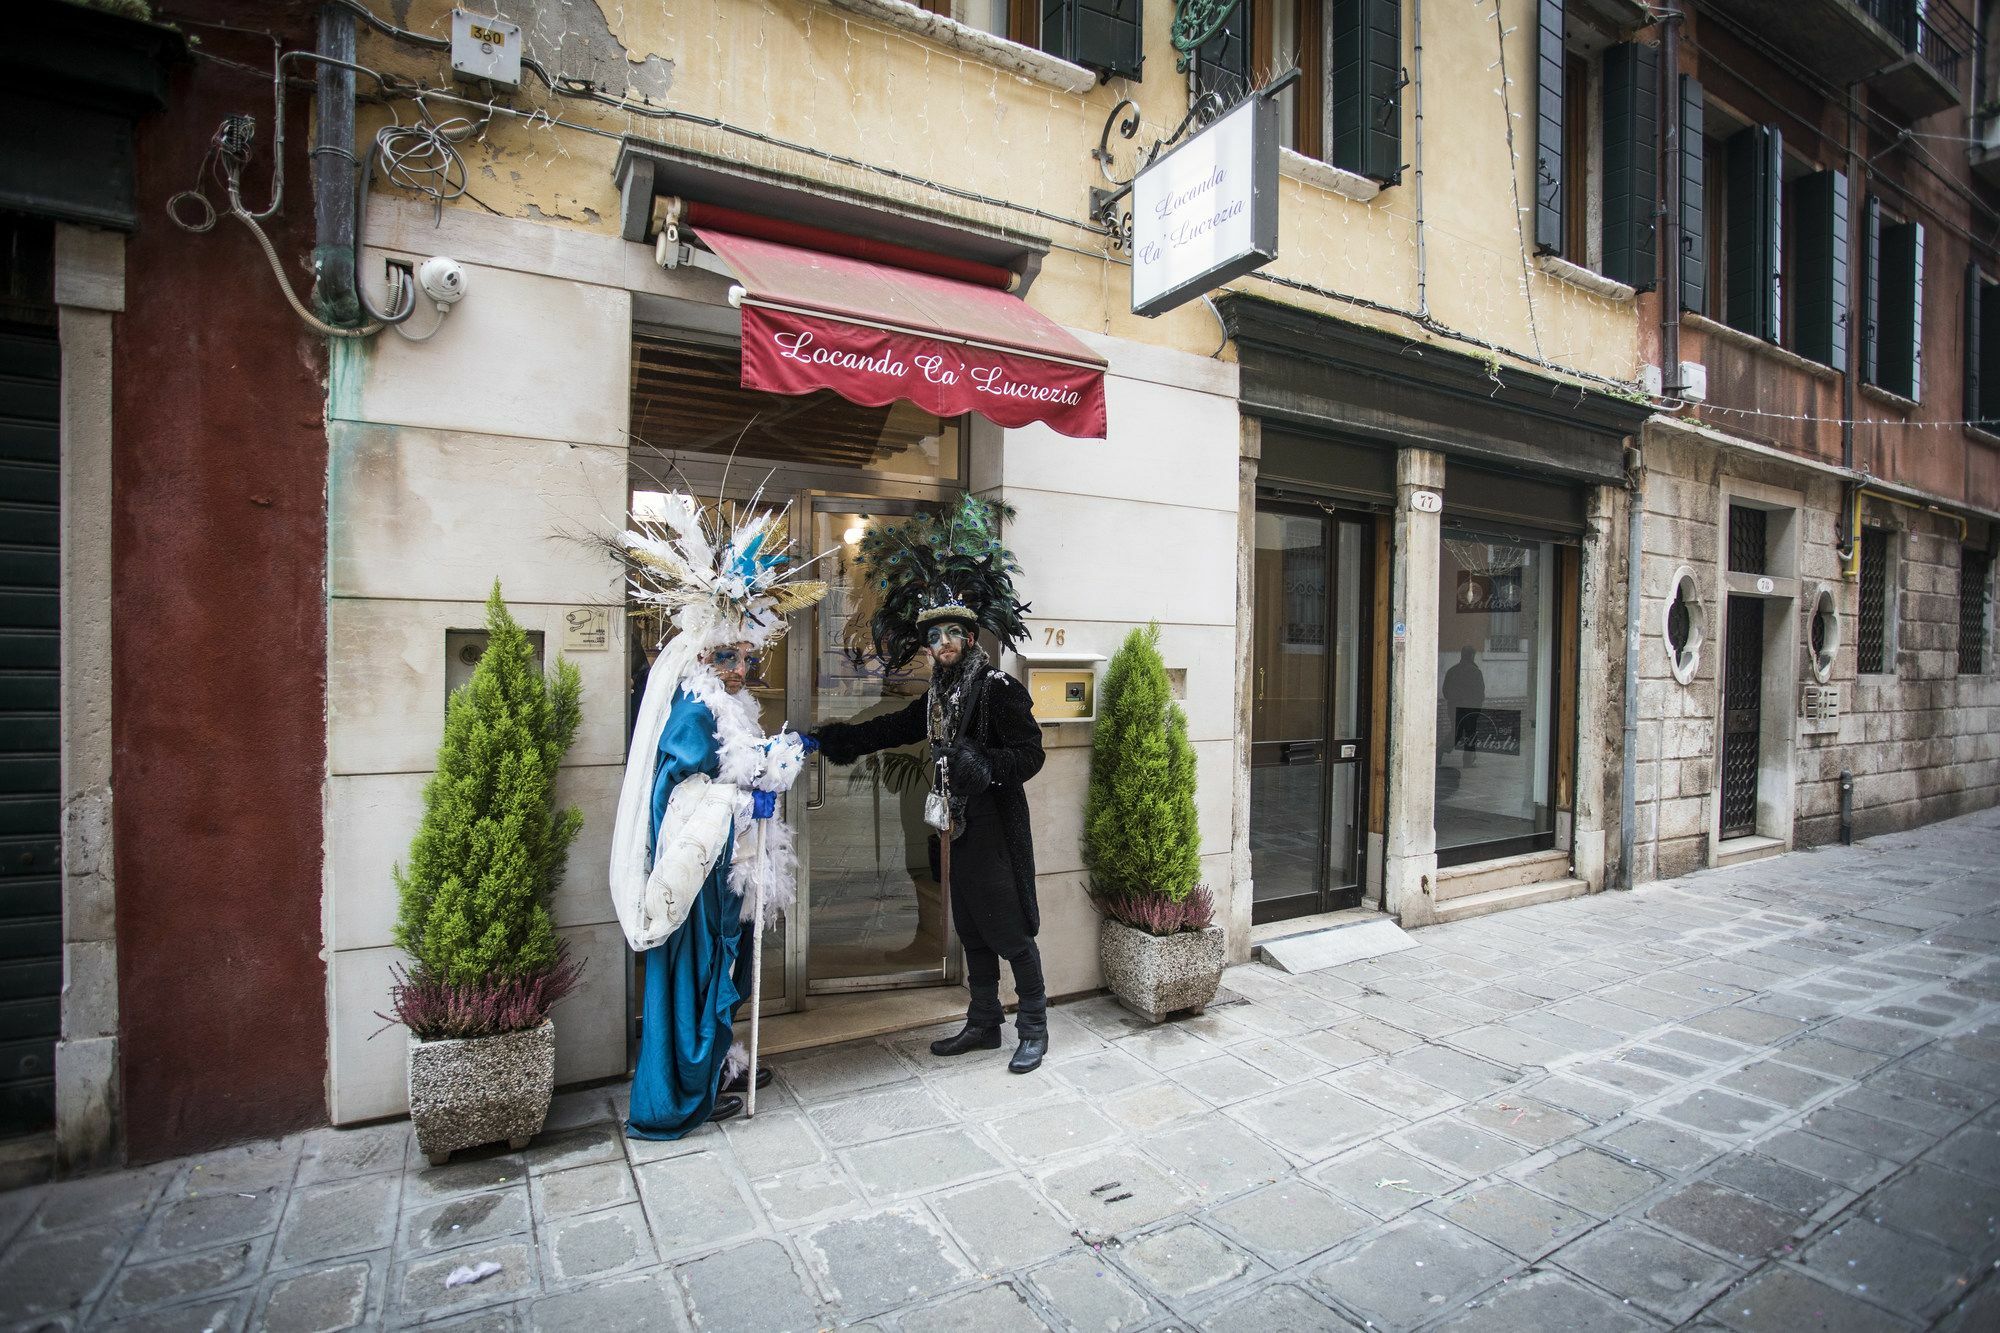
1499, 900
1503, 873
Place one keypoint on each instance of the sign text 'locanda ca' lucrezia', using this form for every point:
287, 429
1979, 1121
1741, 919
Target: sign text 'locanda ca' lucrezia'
1207, 211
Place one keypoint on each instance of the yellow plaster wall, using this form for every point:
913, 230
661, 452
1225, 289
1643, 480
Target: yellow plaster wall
806, 71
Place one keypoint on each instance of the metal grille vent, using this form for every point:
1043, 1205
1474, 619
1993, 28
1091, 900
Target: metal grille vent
1748, 529
1975, 569
1871, 644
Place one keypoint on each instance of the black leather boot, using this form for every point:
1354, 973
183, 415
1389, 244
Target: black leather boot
726, 1108
1034, 1045
968, 1038
741, 1083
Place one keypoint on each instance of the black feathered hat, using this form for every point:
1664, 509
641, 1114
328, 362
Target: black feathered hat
941, 567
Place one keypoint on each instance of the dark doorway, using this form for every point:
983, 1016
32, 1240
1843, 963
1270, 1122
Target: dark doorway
30, 870
1309, 709
1742, 715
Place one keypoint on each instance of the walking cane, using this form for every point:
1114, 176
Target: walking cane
756, 965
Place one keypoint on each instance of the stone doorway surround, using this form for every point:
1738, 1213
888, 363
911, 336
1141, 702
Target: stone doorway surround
1779, 587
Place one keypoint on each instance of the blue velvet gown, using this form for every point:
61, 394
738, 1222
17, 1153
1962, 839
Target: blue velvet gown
690, 983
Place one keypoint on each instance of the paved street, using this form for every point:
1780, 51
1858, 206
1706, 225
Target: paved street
1756, 1099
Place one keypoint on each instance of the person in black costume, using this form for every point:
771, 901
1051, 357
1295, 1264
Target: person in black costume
985, 744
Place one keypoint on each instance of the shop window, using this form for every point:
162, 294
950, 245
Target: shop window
1683, 625
1975, 577
1498, 648
1823, 634
1346, 107
688, 399
1873, 646
1892, 302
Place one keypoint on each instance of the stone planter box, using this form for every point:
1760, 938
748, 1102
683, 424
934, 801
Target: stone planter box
1157, 975
481, 1090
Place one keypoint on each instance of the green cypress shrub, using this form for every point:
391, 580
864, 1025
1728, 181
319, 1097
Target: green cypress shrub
1141, 838
489, 853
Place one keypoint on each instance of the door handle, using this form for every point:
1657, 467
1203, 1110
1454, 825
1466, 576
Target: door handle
819, 781
1260, 684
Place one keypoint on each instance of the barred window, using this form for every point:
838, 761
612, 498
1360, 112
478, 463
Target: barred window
1872, 643
1975, 570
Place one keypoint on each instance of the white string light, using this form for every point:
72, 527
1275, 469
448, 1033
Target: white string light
1989, 426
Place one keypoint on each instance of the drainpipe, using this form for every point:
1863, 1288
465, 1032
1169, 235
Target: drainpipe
1846, 807
1849, 547
1635, 522
1417, 91
333, 172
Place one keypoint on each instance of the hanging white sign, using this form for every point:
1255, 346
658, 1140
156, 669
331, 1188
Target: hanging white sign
1208, 211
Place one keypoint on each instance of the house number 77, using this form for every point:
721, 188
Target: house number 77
1052, 637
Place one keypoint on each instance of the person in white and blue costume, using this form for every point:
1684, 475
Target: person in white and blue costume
699, 859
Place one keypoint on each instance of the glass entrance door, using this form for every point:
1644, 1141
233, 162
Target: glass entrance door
1308, 742
871, 915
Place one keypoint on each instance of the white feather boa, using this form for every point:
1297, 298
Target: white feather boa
652, 901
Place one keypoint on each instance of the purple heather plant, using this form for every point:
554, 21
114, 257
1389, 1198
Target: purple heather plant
436, 1010
1157, 914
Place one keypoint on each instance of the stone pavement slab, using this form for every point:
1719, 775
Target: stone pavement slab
1757, 1098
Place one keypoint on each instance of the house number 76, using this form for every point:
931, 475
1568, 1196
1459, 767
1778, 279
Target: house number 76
1052, 637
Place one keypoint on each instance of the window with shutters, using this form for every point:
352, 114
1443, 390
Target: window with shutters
1104, 35
1597, 146
1981, 345
1874, 648
1346, 107
1892, 295
1016, 20
1816, 295
1975, 577
1740, 233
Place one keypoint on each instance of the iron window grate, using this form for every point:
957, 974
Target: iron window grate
1871, 645
1975, 569
1748, 534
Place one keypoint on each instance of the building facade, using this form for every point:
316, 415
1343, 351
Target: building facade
1379, 492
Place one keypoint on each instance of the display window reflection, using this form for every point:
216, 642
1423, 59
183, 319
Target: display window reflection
1498, 648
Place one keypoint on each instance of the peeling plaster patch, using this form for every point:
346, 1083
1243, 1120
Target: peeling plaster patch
573, 39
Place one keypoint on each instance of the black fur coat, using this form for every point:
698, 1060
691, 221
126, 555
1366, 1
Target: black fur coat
1003, 726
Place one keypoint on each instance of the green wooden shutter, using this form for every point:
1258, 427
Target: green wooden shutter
1548, 183
1756, 223
1900, 359
1694, 199
1819, 317
1104, 35
1222, 63
1970, 374
1631, 164
1871, 291
1988, 414
1366, 83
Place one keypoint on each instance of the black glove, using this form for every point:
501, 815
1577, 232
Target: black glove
968, 770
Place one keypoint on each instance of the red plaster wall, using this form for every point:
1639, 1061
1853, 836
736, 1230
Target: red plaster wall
219, 626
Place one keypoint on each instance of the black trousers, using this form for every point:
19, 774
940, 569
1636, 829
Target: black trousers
986, 911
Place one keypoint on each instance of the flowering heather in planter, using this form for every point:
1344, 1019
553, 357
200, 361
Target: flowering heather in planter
1157, 915
433, 1009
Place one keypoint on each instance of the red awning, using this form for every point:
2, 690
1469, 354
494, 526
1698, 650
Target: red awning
873, 334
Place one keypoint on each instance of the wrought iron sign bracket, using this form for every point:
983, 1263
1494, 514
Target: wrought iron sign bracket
1106, 206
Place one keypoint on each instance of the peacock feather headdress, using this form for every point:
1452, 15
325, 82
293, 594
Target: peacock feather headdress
946, 566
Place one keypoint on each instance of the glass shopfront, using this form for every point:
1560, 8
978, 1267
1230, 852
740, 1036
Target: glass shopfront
1500, 612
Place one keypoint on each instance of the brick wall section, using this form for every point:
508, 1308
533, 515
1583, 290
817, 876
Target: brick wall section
1923, 744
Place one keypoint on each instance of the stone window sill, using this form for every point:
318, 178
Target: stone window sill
1312, 171
1983, 436
1576, 275
1877, 393
1750, 342
1013, 57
